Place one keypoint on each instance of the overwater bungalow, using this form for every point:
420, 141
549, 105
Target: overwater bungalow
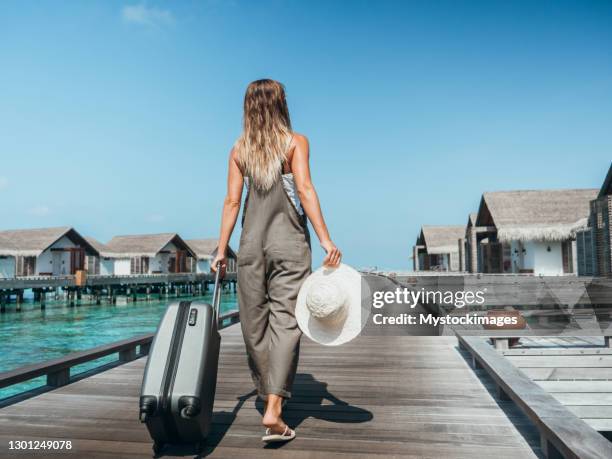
206, 251
437, 248
43, 252
148, 254
595, 242
532, 231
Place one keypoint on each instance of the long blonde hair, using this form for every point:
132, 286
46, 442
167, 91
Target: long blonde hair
266, 131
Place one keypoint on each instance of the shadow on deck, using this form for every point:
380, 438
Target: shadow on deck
378, 396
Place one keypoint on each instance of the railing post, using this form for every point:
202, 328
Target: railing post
548, 449
59, 378
127, 354
501, 344
145, 348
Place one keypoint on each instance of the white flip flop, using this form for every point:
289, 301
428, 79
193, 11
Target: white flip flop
288, 434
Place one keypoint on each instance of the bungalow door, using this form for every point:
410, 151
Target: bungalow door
77, 260
56, 262
181, 261
495, 259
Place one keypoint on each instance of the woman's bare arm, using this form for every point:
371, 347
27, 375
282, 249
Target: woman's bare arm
231, 208
300, 167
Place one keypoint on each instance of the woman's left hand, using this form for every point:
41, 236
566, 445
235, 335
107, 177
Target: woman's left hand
333, 257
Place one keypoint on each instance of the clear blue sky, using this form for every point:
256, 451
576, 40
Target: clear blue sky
117, 117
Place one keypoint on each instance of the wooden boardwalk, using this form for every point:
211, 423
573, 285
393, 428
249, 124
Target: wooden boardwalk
378, 396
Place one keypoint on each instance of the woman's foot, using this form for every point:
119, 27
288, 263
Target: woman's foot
272, 416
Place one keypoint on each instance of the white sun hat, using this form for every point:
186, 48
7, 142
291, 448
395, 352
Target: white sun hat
332, 305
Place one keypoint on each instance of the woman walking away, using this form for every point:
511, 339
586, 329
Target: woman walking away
274, 256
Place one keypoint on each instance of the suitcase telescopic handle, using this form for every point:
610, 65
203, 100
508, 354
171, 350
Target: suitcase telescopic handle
217, 294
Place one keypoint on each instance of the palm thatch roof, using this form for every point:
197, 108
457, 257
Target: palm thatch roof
441, 239
606, 188
33, 242
536, 215
206, 249
102, 249
143, 245
471, 223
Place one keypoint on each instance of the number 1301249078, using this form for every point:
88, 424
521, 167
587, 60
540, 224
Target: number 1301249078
40, 444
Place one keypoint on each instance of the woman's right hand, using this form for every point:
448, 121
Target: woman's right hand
333, 257
220, 260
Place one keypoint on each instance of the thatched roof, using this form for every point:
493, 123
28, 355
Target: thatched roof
143, 245
606, 188
441, 239
33, 242
206, 249
100, 247
540, 215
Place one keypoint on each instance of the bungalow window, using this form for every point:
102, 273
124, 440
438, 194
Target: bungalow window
93, 265
139, 265
25, 266
568, 261
192, 264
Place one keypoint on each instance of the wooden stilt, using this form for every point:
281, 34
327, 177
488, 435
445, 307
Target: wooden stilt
2, 302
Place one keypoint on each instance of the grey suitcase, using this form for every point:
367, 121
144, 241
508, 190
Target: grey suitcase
178, 388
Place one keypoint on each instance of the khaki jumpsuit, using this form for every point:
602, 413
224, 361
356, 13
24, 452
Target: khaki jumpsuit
273, 260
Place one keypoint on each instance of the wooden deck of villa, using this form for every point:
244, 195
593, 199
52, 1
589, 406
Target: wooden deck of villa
378, 396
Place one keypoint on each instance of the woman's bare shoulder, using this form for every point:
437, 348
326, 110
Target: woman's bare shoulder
300, 141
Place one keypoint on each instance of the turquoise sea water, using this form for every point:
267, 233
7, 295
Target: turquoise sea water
34, 335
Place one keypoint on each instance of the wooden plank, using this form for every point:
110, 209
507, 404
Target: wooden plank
601, 425
569, 374
593, 411
561, 361
576, 386
595, 399
565, 352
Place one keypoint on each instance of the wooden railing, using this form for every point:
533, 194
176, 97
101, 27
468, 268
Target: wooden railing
562, 433
57, 370
106, 280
